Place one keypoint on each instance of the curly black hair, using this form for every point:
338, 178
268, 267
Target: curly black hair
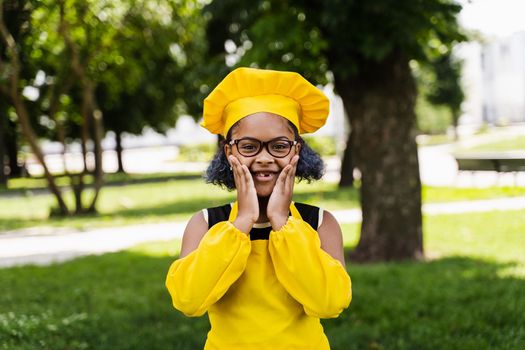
310, 166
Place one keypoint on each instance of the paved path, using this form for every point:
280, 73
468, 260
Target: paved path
41, 246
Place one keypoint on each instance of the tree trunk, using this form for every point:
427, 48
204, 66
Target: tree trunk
118, 149
77, 185
94, 116
37, 151
99, 170
347, 165
15, 169
381, 99
84, 137
56, 91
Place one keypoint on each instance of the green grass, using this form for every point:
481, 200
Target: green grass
450, 194
468, 296
143, 200
28, 184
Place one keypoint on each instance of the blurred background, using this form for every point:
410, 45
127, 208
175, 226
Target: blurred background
102, 158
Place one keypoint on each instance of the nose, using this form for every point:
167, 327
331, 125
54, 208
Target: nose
264, 157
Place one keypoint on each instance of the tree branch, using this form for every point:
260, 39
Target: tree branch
63, 29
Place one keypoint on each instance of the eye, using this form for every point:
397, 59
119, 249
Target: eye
280, 146
248, 146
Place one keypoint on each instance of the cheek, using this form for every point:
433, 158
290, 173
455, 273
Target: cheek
245, 161
282, 162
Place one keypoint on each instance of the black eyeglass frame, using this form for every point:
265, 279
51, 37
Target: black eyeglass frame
264, 144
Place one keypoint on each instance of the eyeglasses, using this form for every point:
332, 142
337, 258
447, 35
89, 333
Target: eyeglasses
250, 147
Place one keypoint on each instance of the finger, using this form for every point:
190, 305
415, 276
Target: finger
233, 167
290, 178
293, 163
281, 180
248, 180
289, 181
236, 173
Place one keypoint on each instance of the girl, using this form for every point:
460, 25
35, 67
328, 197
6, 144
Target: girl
264, 268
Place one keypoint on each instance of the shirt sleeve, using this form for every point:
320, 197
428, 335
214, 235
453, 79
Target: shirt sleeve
202, 277
311, 276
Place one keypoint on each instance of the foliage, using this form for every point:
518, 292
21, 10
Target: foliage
314, 37
132, 55
446, 90
468, 297
324, 145
266, 34
147, 84
440, 93
432, 119
134, 52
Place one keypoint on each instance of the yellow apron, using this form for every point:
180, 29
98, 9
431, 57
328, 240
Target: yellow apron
261, 294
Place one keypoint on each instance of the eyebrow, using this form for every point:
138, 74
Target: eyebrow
273, 138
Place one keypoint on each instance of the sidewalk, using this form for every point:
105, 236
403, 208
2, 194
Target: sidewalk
42, 248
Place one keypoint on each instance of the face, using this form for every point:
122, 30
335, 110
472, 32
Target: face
264, 167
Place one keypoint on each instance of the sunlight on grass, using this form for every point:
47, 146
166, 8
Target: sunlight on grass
158, 248
498, 235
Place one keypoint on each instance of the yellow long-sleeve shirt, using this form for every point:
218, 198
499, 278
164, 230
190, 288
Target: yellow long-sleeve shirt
261, 294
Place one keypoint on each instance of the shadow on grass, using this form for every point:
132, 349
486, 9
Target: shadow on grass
38, 185
181, 206
118, 301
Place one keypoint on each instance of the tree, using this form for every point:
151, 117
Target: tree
367, 46
77, 48
17, 16
13, 91
447, 90
3, 126
136, 93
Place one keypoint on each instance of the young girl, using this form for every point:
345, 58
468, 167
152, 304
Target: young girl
264, 268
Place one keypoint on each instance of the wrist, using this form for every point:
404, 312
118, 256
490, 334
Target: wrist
243, 224
278, 222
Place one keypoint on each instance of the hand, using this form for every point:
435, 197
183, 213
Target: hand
248, 204
281, 198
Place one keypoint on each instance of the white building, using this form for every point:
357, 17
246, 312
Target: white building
494, 81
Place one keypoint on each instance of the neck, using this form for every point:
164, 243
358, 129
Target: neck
263, 204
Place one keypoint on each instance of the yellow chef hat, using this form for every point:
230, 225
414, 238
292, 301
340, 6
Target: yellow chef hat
246, 91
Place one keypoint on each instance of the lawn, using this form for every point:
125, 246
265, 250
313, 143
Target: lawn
135, 200
468, 295
506, 144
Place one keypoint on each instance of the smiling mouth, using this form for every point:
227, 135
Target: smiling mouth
263, 175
